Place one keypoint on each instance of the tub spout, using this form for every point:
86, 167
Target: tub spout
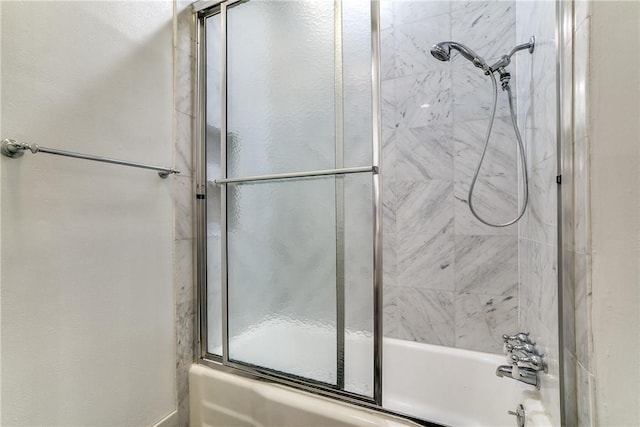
524, 375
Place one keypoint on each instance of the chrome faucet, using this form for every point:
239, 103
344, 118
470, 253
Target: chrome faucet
525, 359
524, 375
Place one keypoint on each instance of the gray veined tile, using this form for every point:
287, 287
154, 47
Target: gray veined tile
501, 158
390, 310
411, 11
389, 156
583, 311
389, 107
494, 200
386, 14
585, 396
183, 206
543, 205
472, 93
183, 148
480, 321
424, 99
484, 26
424, 208
424, 153
387, 54
486, 265
413, 44
426, 316
544, 283
426, 261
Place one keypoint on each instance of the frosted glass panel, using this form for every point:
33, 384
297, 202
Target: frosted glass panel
212, 137
282, 276
358, 279
280, 87
356, 77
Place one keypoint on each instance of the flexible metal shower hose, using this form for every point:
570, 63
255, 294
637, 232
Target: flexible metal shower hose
525, 179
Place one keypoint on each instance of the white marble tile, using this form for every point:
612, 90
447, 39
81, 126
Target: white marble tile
473, 94
389, 236
585, 397
487, 27
568, 302
486, 265
389, 156
543, 204
425, 316
501, 158
184, 89
480, 321
185, 29
494, 200
184, 144
183, 270
390, 311
413, 42
544, 284
386, 14
389, 107
426, 261
412, 11
183, 207
387, 54
527, 318
424, 153
584, 342
424, 208
389, 260
424, 99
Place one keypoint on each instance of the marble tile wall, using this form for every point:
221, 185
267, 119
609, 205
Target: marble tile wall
449, 280
184, 241
537, 232
580, 243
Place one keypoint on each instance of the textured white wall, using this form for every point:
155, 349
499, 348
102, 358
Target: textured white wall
87, 294
615, 184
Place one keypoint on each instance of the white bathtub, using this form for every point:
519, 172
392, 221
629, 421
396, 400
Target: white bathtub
444, 385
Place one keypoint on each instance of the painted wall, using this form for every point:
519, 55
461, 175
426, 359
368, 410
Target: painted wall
87, 292
615, 209
449, 279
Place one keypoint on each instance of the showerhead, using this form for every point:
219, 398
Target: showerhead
442, 52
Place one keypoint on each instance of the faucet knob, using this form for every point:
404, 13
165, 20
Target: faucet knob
527, 348
519, 338
536, 362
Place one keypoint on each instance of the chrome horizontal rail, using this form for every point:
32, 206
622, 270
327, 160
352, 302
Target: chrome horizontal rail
13, 148
341, 171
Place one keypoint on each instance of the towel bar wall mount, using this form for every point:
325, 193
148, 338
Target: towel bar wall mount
14, 149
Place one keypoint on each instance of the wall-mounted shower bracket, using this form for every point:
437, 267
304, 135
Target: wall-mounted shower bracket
506, 59
14, 149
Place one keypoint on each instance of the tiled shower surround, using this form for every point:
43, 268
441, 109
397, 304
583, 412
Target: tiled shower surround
450, 280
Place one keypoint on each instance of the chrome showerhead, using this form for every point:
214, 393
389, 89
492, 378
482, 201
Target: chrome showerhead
442, 52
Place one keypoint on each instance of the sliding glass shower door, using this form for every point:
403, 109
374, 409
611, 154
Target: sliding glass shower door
290, 192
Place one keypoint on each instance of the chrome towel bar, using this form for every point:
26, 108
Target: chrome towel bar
12, 148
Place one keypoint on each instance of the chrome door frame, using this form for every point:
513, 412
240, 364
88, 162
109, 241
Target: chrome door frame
203, 10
